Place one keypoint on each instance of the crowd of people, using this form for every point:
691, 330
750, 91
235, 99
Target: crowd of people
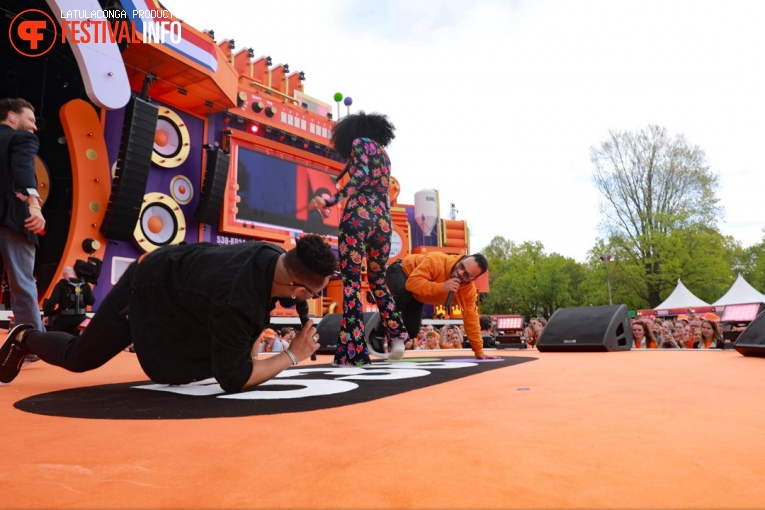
682, 332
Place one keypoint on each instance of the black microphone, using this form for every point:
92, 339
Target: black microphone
448, 301
303, 320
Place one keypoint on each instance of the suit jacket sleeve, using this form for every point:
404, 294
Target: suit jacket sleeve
22, 157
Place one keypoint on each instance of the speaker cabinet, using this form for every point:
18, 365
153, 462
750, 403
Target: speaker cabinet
132, 170
213, 187
329, 329
751, 341
587, 329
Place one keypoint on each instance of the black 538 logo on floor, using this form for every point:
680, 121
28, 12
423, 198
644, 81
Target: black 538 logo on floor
298, 389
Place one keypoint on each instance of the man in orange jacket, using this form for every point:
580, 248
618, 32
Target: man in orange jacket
429, 278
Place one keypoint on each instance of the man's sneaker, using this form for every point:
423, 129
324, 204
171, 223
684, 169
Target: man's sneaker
397, 349
12, 354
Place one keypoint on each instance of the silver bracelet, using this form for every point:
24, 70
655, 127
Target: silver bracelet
292, 356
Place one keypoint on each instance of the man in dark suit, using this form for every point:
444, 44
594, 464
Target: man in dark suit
21, 216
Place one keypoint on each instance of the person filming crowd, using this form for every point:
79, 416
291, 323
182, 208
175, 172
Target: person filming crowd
67, 305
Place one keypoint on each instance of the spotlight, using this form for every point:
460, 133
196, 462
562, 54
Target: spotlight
254, 128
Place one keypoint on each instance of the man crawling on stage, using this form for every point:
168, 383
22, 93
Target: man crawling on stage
192, 312
435, 278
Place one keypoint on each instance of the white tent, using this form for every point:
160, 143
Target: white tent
740, 293
681, 297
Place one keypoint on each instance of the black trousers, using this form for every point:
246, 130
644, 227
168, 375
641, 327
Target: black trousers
107, 334
66, 323
409, 308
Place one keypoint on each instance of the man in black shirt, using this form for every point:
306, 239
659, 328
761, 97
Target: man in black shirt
193, 312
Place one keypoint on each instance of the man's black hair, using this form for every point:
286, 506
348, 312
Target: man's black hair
312, 259
481, 261
361, 125
13, 104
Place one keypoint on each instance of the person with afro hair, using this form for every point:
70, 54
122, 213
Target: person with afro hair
192, 312
365, 231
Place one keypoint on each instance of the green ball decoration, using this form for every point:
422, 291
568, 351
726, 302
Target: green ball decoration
338, 97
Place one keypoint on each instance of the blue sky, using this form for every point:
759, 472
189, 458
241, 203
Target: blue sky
497, 103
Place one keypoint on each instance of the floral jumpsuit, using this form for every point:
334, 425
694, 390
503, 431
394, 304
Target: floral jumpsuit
365, 229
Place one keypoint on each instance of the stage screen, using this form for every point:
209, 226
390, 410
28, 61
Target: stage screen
274, 191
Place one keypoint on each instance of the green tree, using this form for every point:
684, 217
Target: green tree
523, 279
652, 186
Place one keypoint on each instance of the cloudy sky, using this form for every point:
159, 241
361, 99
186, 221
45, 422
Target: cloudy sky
497, 102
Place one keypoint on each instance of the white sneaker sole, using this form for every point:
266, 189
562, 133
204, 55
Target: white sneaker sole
398, 349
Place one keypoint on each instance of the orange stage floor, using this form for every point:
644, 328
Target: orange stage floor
637, 429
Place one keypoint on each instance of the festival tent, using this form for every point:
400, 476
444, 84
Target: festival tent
681, 297
739, 293
680, 301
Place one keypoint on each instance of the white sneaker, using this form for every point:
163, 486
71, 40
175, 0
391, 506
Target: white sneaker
398, 349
